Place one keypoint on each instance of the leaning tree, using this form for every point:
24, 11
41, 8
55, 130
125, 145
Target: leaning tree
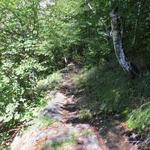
117, 34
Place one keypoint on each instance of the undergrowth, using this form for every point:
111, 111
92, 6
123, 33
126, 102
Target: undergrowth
57, 145
52, 81
19, 113
108, 90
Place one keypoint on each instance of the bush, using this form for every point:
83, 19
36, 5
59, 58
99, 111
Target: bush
140, 118
52, 81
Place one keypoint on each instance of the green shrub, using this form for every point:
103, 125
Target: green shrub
85, 114
52, 81
140, 118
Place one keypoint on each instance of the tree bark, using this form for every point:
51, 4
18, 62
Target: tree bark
118, 44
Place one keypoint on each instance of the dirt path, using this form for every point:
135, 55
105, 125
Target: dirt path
67, 131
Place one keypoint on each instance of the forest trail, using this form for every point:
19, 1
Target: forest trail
67, 131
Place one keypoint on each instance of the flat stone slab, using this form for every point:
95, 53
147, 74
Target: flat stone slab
62, 137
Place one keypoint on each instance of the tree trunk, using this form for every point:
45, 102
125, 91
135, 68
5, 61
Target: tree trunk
116, 33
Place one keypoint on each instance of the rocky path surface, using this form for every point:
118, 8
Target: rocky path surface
66, 131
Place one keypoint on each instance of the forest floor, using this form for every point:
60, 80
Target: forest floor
66, 129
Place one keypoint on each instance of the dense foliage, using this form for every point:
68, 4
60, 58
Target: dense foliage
39, 37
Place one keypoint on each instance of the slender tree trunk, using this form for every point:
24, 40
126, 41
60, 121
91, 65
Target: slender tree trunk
137, 22
118, 44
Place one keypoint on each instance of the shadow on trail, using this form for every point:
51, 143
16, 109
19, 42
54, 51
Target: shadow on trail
110, 96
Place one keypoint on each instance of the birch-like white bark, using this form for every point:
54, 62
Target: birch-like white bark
117, 41
118, 45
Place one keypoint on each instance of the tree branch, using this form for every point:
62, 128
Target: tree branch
89, 5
